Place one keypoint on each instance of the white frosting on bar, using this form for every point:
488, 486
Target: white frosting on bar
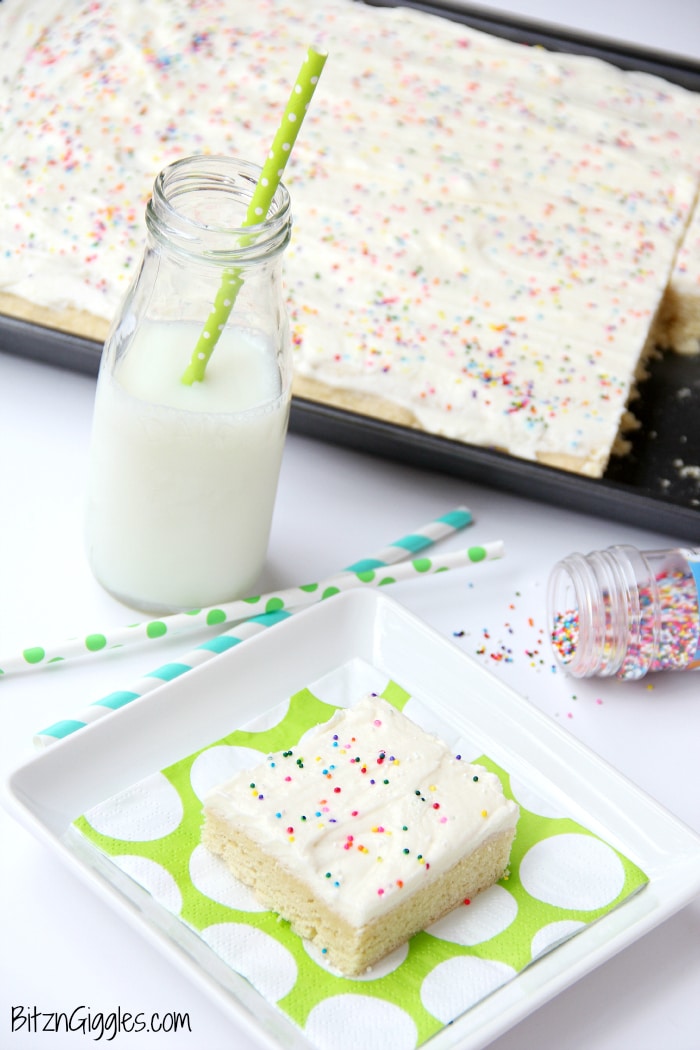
483, 230
366, 809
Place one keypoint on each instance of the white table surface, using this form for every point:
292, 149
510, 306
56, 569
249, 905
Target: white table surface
60, 946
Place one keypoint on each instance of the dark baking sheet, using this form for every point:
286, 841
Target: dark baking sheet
656, 486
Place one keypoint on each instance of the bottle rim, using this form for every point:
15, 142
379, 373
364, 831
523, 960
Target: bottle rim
198, 208
602, 613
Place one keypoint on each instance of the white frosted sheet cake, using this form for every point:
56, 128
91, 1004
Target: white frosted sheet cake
484, 232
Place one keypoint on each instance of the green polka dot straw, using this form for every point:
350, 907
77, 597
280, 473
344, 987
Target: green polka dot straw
289, 599
37, 656
258, 208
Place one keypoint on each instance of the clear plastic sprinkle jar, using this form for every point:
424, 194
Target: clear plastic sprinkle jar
625, 612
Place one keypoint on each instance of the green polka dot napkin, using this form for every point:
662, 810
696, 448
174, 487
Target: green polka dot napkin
562, 877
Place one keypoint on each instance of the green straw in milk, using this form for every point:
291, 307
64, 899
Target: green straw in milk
258, 208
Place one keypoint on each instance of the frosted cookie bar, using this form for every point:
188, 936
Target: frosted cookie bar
366, 832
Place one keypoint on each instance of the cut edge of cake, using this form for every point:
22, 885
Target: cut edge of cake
366, 832
348, 949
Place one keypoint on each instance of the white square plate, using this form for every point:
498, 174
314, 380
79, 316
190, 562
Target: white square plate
375, 633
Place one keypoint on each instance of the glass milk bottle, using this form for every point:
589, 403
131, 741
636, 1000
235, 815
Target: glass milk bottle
183, 474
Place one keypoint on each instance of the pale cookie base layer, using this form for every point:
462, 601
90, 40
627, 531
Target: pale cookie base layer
678, 323
71, 321
348, 949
